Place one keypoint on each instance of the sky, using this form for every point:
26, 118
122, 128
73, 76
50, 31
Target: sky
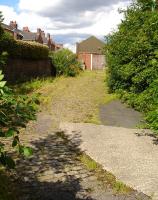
68, 21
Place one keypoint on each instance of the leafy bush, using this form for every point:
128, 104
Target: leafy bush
132, 57
66, 63
22, 49
15, 112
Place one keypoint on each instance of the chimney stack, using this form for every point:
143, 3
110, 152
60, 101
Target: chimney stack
13, 25
39, 31
43, 33
48, 36
26, 29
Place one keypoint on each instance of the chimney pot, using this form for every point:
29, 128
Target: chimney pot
26, 29
13, 25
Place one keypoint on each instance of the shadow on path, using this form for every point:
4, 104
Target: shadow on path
54, 172
148, 133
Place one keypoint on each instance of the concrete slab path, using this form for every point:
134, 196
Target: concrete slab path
129, 154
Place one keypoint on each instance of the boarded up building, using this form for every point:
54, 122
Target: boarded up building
89, 52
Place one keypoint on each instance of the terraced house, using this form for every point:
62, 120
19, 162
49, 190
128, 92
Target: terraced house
26, 35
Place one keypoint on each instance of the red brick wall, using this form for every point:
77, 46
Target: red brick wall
86, 58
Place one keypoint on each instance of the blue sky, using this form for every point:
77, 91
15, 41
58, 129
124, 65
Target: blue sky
12, 3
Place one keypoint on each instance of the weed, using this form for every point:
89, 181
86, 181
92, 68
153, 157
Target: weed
121, 188
88, 162
105, 177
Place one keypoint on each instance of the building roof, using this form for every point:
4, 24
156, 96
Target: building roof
90, 45
28, 36
5, 26
14, 30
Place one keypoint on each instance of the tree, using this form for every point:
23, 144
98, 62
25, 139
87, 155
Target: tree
150, 5
132, 57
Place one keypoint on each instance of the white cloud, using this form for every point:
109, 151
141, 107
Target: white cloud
68, 17
30, 19
36, 5
70, 46
8, 13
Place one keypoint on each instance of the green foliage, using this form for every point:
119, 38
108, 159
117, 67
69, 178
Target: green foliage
148, 4
32, 86
15, 112
121, 188
22, 49
132, 57
66, 63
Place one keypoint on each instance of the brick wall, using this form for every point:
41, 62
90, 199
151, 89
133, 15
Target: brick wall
86, 58
22, 70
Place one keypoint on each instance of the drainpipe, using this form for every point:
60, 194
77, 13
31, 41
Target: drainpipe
91, 61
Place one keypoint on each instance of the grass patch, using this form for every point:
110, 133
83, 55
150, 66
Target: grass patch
121, 188
32, 86
71, 99
89, 163
105, 177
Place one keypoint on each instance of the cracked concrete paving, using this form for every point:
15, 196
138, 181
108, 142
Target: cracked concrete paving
130, 154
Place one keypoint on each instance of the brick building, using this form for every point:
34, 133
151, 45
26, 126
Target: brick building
28, 36
89, 52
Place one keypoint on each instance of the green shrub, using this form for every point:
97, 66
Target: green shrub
66, 63
15, 112
22, 49
132, 57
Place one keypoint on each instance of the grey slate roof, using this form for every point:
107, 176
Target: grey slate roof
28, 36
90, 45
5, 26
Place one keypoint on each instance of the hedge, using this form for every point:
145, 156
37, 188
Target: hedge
22, 49
132, 57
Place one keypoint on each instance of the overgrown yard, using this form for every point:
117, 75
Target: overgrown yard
58, 162
71, 99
